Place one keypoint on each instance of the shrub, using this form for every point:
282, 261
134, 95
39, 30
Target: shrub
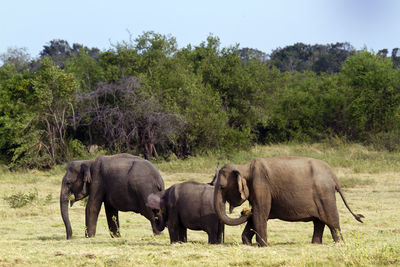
389, 141
307, 109
20, 199
373, 94
75, 149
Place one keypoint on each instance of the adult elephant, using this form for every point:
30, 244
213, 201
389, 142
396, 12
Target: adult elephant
188, 205
286, 188
123, 182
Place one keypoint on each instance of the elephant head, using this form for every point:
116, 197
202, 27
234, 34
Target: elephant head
75, 181
158, 203
232, 187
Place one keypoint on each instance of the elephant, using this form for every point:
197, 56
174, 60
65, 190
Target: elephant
188, 205
287, 188
121, 181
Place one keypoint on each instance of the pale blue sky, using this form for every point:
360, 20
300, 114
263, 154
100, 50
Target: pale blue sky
264, 25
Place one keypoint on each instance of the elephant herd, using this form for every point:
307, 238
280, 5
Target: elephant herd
286, 188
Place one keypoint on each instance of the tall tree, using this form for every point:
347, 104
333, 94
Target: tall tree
318, 58
84, 65
249, 53
16, 116
396, 57
58, 50
383, 52
54, 95
292, 58
16, 57
374, 99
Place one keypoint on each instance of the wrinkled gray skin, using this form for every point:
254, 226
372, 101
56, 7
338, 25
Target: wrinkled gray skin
188, 205
287, 188
122, 182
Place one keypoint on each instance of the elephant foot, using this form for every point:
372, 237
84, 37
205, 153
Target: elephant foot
115, 235
246, 240
316, 241
178, 242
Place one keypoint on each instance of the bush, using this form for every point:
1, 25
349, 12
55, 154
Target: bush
307, 109
373, 94
75, 149
389, 141
20, 199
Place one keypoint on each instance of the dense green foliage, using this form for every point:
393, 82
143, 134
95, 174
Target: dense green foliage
149, 97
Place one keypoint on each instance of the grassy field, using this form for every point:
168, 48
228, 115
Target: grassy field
34, 234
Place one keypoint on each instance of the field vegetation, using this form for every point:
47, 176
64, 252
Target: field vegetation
147, 96
32, 232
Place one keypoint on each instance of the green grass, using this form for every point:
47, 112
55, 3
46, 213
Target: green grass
34, 235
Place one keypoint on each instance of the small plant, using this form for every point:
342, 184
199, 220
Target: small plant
20, 199
48, 199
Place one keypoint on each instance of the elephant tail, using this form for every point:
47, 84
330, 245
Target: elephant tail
356, 216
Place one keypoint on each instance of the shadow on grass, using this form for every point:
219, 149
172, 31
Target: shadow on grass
115, 242
94, 241
47, 238
44, 238
141, 243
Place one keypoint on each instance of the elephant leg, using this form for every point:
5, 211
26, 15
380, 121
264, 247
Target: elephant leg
92, 213
334, 233
173, 234
220, 233
212, 238
112, 220
248, 232
214, 229
182, 234
213, 235
332, 219
260, 217
318, 231
173, 227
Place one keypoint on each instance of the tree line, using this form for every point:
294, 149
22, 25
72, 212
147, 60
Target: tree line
148, 97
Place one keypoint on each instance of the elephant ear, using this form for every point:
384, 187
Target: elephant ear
242, 185
214, 180
153, 202
85, 169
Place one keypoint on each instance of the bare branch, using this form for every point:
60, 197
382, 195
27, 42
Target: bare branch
126, 117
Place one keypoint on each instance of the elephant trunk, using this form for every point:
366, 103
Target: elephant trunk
160, 221
219, 205
64, 196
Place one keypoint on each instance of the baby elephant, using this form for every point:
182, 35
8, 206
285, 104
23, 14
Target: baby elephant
187, 205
